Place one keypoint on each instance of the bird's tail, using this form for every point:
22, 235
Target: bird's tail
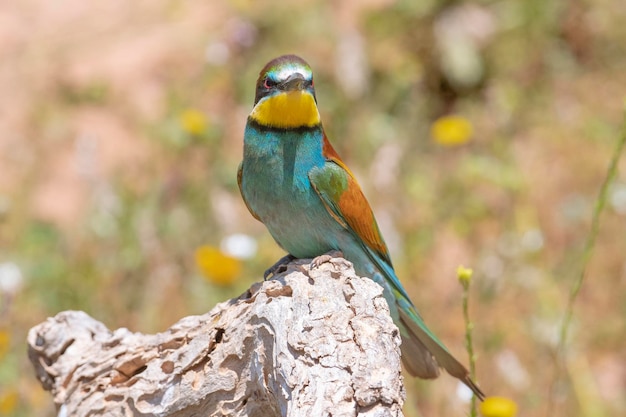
423, 353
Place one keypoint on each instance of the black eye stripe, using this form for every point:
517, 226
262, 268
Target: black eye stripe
267, 86
269, 83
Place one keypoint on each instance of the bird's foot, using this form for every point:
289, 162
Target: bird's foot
319, 260
278, 267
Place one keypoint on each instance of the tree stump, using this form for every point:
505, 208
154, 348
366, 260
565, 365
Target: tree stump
309, 342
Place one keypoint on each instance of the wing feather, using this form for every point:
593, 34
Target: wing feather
345, 201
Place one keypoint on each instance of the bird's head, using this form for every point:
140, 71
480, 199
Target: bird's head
285, 97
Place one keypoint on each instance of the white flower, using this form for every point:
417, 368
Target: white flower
463, 392
11, 279
239, 246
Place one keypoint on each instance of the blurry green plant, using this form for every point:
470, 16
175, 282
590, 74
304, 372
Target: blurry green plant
465, 278
587, 253
492, 406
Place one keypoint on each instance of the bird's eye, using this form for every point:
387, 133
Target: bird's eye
312, 84
268, 83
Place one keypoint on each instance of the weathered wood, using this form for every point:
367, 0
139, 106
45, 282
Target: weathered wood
310, 342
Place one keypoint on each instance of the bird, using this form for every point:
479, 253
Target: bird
294, 182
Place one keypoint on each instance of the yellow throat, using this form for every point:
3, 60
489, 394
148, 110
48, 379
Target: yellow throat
287, 110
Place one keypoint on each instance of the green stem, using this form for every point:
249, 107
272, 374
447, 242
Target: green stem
591, 239
468, 341
587, 253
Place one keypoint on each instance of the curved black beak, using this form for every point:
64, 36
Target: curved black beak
295, 81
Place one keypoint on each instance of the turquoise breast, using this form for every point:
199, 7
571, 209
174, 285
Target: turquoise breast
276, 185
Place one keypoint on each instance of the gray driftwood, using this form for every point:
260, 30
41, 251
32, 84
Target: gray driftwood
310, 342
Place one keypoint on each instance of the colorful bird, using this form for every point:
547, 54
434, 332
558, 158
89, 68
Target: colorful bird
293, 181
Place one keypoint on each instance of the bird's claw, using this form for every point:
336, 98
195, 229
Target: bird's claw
278, 267
319, 260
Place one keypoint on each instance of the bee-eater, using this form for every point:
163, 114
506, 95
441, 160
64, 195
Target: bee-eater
293, 181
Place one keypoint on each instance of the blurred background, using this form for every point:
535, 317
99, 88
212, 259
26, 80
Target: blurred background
480, 131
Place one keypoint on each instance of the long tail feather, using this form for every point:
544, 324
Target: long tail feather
441, 354
417, 358
422, 352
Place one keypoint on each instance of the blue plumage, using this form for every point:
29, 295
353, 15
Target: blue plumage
293, 181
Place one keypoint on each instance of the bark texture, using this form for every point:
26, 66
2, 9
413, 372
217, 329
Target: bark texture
310, 342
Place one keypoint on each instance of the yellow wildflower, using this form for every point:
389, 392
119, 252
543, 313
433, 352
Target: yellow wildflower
464, 274
8, 402
216, 266
193, 121
498, 407
451, 130
5, 342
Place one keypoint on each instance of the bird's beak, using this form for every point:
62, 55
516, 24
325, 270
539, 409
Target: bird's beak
294, 82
